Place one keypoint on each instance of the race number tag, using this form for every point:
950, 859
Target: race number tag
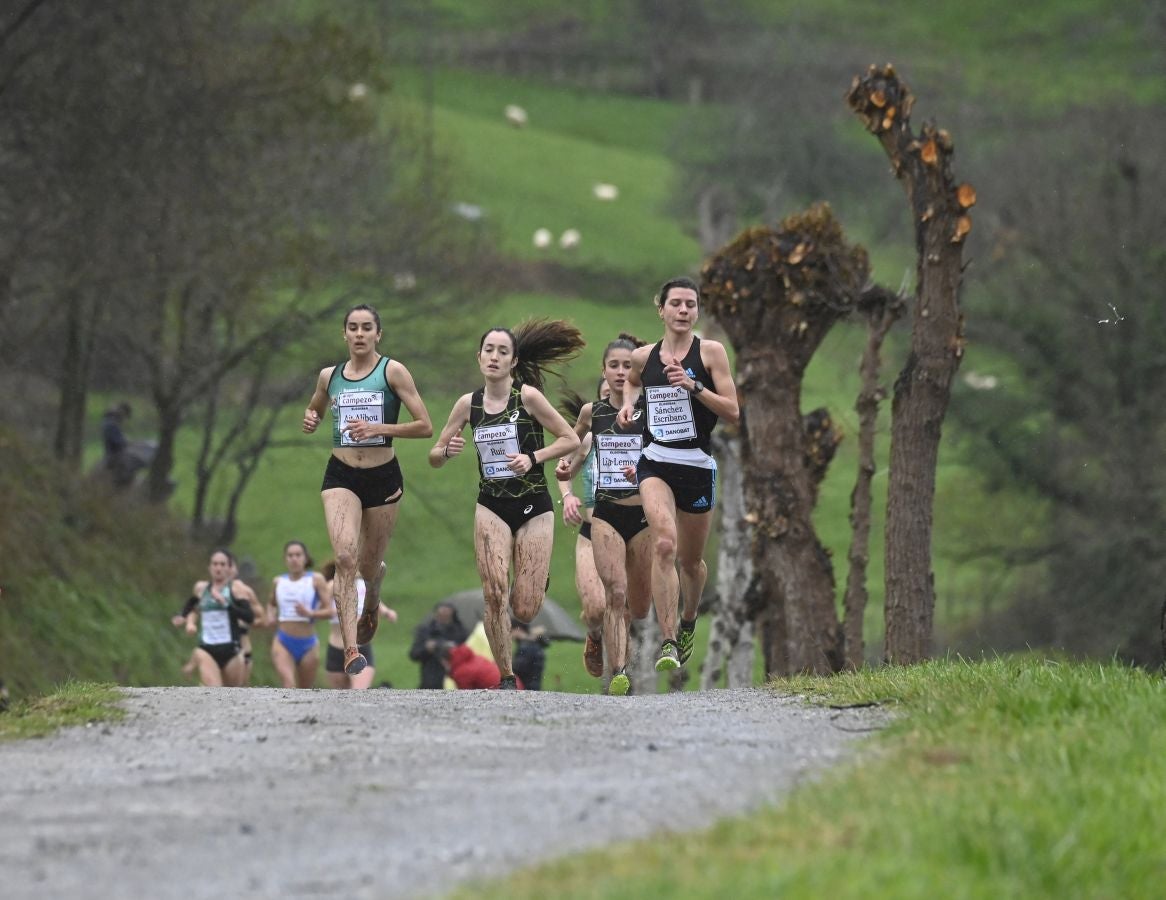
367, 406
493, 443
613, 453
670, 414
216, 626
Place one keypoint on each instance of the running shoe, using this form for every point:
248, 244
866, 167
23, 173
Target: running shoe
593, 657
620, 684
366, 625
686, 637
508, 683
354, 661
669, 657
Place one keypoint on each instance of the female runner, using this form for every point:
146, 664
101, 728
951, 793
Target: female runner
221, 607
514, 518
363, 483
577, 512
334, 657
619, 537
687, 386
298, 598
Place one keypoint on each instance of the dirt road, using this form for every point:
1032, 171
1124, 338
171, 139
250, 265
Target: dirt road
271, 793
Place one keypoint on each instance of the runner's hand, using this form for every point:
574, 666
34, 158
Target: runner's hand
624, 417
629, 472
571, 514
455, 446
359, 429
302, 610
311, 421
520, 463
675, 373
563, 469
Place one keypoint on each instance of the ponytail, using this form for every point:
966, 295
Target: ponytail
540, 344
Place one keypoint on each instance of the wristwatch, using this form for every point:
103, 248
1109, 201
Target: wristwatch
697, 386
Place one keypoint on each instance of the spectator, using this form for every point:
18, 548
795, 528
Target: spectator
124, 458
469, 670
443, 626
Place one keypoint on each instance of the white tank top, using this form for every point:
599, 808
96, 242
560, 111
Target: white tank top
361, 590
288, 593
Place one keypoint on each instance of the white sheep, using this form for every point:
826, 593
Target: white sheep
604, 191
570, 238
543, 238
516, 115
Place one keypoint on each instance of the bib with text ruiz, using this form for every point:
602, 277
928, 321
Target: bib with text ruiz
670, 413
614, 452
367, 406
493, 443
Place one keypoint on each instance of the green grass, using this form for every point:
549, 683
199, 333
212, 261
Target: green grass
72, 703
1013, 777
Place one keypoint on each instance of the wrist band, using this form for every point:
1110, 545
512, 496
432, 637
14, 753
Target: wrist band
445, 451
533, 461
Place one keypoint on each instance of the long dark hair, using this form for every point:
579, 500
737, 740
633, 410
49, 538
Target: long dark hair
540, 344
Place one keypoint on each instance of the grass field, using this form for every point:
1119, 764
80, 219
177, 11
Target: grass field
1010, 777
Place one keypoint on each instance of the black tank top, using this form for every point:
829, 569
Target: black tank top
674, 417
513, 430
614, 448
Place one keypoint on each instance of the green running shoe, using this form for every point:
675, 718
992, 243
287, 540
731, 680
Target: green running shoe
620, 684
669, 657
685, 638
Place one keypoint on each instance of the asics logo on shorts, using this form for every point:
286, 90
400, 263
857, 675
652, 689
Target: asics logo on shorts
526, 512
700, 503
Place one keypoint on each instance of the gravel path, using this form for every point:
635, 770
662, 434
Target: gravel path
262, 792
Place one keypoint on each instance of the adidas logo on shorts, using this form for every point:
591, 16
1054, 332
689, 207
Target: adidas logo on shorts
701, 503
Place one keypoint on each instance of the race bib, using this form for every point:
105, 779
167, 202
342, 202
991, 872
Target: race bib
670, 414
613, 452
216, 626
493, 443
367, 406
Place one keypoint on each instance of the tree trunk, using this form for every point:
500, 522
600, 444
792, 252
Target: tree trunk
730, 645
923, 388
777, 293
159, 485
882, 309
79, 316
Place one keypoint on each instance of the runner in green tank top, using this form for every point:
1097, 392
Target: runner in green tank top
514, 520
363, 482
577, 512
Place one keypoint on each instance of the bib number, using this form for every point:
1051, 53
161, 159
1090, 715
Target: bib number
613, 453
670, 414
493, 443
366, 406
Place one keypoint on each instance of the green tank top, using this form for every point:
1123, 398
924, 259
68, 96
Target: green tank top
369, 398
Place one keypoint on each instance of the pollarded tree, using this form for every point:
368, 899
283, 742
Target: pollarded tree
922, 391
777, 292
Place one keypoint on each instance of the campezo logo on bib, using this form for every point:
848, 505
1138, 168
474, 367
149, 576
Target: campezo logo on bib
514, 415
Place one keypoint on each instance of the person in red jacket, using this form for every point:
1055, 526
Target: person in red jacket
470, 670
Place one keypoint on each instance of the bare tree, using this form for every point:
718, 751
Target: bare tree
777, 292
923, 389
881, 309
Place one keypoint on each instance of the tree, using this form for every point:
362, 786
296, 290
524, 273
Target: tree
777, 293
215, 188
923, 389
1072, 306
881, 309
